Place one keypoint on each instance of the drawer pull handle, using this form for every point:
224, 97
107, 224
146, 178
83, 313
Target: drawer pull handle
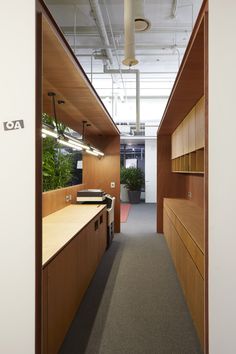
96, 225
101, 219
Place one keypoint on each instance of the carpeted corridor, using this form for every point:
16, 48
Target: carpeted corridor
134, 304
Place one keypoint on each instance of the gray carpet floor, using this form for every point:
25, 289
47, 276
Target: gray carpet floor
134, 304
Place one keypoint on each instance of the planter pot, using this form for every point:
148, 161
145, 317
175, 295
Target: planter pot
124, 194
134, 197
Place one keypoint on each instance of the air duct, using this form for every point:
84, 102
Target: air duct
140, 22
130, 59
97, 16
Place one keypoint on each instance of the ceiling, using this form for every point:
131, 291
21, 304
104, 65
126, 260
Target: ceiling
159, 50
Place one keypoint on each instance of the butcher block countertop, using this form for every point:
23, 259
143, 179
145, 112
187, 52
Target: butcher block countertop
60, 227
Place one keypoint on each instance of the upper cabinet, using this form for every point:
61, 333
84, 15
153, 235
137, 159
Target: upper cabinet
187, 141
200, 124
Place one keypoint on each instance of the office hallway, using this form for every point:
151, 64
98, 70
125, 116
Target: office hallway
134, 304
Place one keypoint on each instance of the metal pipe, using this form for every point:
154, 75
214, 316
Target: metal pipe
114, 44
137, 73
97, 16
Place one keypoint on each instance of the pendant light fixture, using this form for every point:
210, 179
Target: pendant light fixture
65, 138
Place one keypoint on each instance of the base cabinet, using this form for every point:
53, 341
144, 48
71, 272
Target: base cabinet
188, 270
66, 279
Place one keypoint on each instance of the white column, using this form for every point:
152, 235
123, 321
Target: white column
150, 170
222, 177
17, 177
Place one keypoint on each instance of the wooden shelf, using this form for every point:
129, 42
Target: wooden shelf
189, 163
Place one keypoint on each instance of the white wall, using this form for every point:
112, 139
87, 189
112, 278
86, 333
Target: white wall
150, 170
17, 187
222, 177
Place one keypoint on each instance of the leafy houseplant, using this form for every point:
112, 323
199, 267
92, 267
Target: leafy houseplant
123, 190
134, 183
57, 166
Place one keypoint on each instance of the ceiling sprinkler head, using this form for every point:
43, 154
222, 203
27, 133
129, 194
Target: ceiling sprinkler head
141, 24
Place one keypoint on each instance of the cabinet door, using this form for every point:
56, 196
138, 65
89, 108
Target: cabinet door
63, 293
191, 131
185, 135
102, 234
179, 140
83, 263
173, 146
200, 124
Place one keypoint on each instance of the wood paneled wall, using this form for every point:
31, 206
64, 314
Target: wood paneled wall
100, 173
174, 185
56, 199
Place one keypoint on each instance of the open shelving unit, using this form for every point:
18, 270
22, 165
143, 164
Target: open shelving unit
192, 162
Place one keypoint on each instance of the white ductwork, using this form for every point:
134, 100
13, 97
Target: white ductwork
141, 23
130, 59
97, 16
137, 73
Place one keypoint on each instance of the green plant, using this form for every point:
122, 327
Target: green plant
56, 164
134, 179
123, 175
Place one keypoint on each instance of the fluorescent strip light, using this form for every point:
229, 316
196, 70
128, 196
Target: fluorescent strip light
78, 143
49, 133
92, 152
66, 143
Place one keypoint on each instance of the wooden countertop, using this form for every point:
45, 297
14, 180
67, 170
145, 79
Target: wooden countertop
60, 227
191, 216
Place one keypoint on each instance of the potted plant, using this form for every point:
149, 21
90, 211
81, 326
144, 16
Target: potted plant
134, 183
123, 190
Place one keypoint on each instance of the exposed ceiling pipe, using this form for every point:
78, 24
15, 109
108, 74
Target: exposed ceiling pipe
137, 73
130, 59
141, 23
97, 16
174, 9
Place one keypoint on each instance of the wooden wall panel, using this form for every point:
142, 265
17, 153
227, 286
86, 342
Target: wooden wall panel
195, 185
100, 173
172, 185
56, 199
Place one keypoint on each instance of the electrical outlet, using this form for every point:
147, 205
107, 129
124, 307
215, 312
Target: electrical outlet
189, 195
67, 198
113, 185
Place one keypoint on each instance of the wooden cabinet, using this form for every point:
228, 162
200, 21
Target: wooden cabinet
184, 233
191, 131
187, 142
66, 278
200, 124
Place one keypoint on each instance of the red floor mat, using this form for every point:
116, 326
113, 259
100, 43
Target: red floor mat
124, 212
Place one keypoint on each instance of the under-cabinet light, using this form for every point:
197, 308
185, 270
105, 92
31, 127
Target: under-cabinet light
49, 133
66, 143
72, 142
78, 143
